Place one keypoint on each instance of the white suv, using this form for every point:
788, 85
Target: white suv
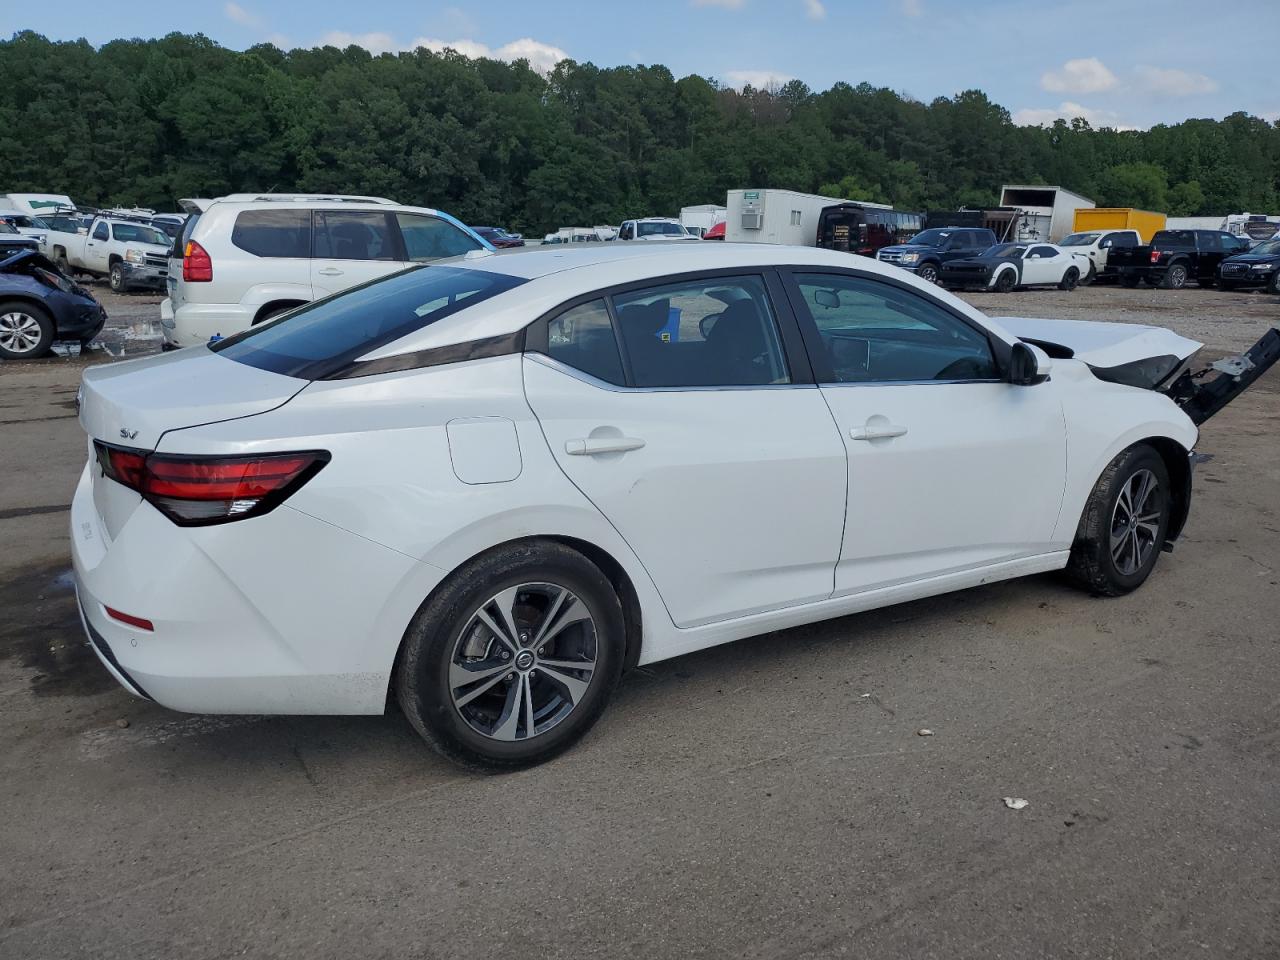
246, 258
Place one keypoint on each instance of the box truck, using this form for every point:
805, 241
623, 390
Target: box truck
1088, 219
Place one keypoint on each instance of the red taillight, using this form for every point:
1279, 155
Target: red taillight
1155, 256
130, 619
199, 490
197, 265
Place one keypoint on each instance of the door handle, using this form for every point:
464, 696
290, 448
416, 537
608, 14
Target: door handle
592, 446
330, 272
877, 433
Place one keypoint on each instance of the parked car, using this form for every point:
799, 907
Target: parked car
1007, 266
654, 228
11, 241
1096, 245
1260, 267
38, 305
451, 483
500, 238
248, 258
928, 250
1175, 257
128, 252
26, 224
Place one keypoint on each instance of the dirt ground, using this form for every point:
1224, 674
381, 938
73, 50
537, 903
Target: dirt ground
771, 798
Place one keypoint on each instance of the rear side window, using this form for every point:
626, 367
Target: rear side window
325, 337
354, 235
582, 337
272, 233
430, 238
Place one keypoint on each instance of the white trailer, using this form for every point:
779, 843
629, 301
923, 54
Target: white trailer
776, 216
1044, 213
701, 218
37, 204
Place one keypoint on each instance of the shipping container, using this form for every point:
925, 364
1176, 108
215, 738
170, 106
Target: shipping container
1044, 212
1089, 219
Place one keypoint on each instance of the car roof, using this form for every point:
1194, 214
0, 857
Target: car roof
558, 273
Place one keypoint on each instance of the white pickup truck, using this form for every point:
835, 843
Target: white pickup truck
1095, 244
131, 254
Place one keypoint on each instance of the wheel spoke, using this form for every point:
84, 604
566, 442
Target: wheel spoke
550, 617
509, 640
574, 687
494, 675
1137, 549
1146, 481
1124, 501
1152, 529
574, 612
506, 604
1117, 546
505, 728
527, 682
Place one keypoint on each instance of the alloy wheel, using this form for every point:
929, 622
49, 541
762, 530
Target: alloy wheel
19, 332
1135, 522
523, 662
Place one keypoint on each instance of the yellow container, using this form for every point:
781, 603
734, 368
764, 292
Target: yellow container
1119, 218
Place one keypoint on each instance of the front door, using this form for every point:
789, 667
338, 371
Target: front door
698, 441
96, 248
949, 468
351, 247
1041, 264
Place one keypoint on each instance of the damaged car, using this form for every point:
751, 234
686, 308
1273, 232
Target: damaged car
481, 489
40, 305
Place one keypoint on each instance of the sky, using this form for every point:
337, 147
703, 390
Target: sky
1122, 63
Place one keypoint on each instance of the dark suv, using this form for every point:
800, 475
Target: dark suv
926, 252
1260, 267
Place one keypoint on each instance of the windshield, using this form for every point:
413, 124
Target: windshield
659, 230
1079, 239
1006, 250
137, 233
324, 337
1268, 248
931, 238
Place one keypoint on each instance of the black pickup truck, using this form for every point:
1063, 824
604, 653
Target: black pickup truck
1175, 257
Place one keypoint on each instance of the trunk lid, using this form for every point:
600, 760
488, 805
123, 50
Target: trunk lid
133, 404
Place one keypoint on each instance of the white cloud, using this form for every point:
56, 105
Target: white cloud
1087, 75
375, 43
1045, 116
238, 14
814, 10
912, 8
1173, 83
759, 79
726, 4
541, 56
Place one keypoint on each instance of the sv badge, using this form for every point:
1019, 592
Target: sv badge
128, 434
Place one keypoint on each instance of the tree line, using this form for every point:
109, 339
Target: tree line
144, 122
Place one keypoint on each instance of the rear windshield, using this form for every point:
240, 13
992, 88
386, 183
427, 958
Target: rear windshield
324, 337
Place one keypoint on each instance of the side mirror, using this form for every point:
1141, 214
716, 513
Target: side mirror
1105, 245
1028, 365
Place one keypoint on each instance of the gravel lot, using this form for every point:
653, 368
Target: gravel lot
771, 798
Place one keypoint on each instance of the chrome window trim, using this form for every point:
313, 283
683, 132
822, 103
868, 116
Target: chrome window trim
588, 379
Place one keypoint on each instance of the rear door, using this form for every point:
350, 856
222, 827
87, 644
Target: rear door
703, 440
1211, 253
351, 247
950, 469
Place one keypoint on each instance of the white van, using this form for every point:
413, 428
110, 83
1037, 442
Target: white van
243, 259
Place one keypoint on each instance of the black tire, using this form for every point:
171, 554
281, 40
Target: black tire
1130, 280
1093, 564
422, 677
1175, 277
118, 283
63, 264
1273, 284
1089, 277
20, 322
1069, 279
268, 317
1006, 281
928, 272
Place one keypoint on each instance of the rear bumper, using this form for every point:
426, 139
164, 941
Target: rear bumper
192, 324
283, 615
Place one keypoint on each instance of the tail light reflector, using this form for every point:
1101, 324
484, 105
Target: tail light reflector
130, 619
196, 490
197, 265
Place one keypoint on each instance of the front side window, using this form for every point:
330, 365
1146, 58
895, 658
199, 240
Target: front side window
1044, 253
430, 238
353, 235
875, 332
324, 337
271, 233
713, 332
583, 338
100, 232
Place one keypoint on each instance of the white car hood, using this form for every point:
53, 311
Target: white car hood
1101, 344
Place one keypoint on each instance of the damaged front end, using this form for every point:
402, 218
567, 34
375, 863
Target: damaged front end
1203, 393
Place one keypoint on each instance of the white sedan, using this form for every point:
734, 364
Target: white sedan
1007, 266
489, 485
